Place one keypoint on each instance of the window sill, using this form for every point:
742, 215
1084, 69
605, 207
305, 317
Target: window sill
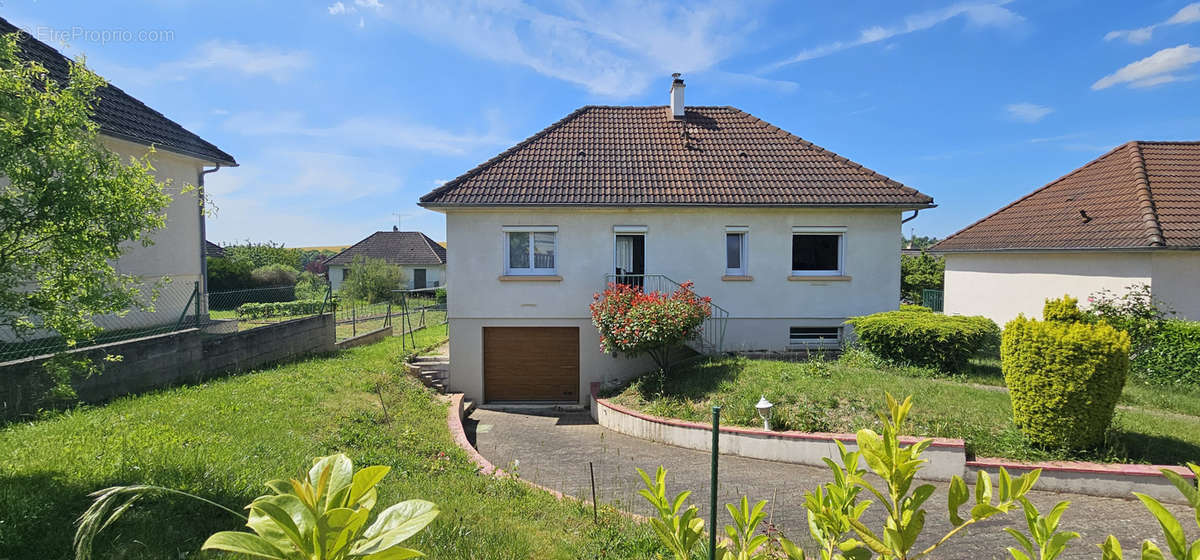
529, 278
737, 278
799, 278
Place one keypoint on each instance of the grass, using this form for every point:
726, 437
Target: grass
843, 396
224, 438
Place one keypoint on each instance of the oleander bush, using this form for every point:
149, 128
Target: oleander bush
1064, 379
280, 309
920, 338
1171, 355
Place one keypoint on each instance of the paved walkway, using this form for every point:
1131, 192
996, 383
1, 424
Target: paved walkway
554, 451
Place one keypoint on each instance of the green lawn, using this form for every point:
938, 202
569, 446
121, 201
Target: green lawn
843, 395
223, 439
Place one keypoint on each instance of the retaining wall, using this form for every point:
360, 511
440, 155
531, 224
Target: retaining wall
365, 338
947, 457
151, 362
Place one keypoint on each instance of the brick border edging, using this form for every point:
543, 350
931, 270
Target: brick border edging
454, 423
1106, 480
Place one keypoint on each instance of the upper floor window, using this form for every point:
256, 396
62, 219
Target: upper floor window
531, 250
735, 251
818, 251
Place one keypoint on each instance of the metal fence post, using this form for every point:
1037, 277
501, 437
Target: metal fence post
712, 496
196, 291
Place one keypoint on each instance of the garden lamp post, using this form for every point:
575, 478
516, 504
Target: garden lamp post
764, 411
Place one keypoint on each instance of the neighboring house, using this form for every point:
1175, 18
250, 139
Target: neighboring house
422, 259
789, 238
128, 127
213, 250
1132, 216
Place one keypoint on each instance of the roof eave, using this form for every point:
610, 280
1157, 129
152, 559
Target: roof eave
447, 205
179, 151
1139, 248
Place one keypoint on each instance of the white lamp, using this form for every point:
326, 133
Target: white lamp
764, 411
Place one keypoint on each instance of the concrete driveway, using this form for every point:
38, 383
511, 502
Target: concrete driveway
554, 451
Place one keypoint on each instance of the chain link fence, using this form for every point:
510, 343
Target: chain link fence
407, 312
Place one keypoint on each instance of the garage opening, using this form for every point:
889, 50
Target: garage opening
534, 364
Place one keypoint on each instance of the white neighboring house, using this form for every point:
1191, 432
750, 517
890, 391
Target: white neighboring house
128, 127
1132, 216
789, 238
422, 259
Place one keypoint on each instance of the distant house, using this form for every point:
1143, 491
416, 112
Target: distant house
213, 250
422, 259
1132, 216
787, 237
129, 128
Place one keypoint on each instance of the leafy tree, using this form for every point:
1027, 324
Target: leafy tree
266, 254
372, 280
918, 242
69, 206
309, 286
274, 275
226, 274
920, 272
632, 322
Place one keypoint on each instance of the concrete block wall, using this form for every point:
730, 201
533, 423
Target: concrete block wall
152, 362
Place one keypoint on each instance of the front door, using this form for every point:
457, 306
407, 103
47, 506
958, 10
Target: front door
630, 266
418, 278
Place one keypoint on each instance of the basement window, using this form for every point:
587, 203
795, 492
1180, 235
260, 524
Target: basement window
814, 336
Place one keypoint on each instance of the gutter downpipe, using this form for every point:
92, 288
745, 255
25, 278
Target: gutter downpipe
203, 235
904, 221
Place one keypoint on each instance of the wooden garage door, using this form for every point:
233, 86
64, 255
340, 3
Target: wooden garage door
531, 364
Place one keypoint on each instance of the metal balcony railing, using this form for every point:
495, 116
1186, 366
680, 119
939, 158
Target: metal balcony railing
712, 331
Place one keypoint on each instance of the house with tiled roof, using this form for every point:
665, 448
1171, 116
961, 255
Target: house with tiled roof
421, 259
787, 238
1129, 217
130, 128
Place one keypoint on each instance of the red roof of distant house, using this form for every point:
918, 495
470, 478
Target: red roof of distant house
1138, 195
641, 156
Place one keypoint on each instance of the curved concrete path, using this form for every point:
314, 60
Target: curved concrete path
554, 451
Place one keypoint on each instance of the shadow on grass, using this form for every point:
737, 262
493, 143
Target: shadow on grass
1155, 449
39, 510
696, 380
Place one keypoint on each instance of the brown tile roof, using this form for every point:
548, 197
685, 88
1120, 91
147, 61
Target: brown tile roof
119, 114
213, 250
1139, 195
396, 247
636, 156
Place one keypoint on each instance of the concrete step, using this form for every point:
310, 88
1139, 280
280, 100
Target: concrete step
468, 407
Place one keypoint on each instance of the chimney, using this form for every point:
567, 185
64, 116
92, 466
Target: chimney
395, 228
677, 96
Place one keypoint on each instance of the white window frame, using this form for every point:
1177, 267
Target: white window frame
836, 340
531, 271
744, 233
839, 231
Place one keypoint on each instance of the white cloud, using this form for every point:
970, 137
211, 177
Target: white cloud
372, 4
613, 49
337, 9
368, 132
1188, 14
1028, 112
1156, 69
279, 65
978, 14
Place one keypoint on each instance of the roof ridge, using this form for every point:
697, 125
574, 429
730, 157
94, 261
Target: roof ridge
502, 155
360, 242
1154, 233
429, 243
1074, 172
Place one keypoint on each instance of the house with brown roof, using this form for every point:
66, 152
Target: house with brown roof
421, 259
130, 128
787, 238
1131, 216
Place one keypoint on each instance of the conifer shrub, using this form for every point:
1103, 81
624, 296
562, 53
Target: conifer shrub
922, 338
1063, 310
1064, 379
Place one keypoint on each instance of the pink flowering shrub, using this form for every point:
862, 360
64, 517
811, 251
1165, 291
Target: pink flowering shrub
632, 322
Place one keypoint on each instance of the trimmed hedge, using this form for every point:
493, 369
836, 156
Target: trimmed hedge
1064, 310
921, 338
1171, 356
1064, 379
280, 309
914, 307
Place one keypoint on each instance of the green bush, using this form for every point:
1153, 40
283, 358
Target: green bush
266, 254
1172, 355
440, 296
919, 273
274, 275
915, 307
1064, 379
372, 280
225, 274
920, 338
310, 286
280, 309
1063, 310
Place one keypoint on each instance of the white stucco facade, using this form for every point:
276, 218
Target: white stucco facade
682, 243
435, 275
1001, 285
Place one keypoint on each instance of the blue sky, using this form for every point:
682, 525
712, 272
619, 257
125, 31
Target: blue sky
343, 113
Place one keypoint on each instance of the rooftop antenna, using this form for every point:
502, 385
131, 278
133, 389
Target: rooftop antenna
399, 218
